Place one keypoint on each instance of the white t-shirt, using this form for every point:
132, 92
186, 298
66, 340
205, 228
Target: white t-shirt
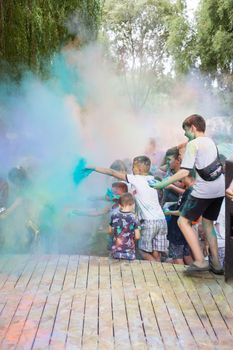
146, 197
200, 153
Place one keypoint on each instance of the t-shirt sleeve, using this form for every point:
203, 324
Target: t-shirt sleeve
190, 154
132, 179
136, 223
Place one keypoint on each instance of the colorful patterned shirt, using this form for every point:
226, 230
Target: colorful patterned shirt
124, 225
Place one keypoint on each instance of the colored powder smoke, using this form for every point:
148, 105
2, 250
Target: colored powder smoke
80, 171
82, 112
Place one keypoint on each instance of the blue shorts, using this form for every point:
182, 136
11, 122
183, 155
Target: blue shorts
178, 251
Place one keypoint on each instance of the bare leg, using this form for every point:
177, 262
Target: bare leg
210, 232
178, 261
192, 239
146, 255
188, 260
156, 255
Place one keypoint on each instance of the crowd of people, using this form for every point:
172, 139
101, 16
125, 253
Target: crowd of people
168, 207
174, 212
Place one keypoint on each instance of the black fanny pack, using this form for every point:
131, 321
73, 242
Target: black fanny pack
212, 171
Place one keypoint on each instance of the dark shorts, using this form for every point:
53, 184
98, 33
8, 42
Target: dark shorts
207, 208
178, 251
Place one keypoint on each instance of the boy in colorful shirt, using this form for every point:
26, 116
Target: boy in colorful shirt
124, 227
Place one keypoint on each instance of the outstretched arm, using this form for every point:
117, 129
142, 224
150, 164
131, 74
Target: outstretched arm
90, 212
119, 175
176, 177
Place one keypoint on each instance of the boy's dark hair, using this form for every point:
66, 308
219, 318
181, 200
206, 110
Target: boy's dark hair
144, 161
126, 199
197, 120
121, 185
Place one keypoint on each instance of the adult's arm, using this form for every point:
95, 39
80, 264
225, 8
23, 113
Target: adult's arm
229, 191
176, 177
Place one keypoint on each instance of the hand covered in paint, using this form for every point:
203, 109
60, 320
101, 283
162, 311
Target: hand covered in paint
89, 167
229, 192
81, 171
158, 185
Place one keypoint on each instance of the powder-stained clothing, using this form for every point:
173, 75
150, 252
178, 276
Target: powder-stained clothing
200, 153
124, 225
150, 213
146, 198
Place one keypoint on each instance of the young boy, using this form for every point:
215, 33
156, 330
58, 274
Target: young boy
208, 192
153, 239
179, 249
125, 229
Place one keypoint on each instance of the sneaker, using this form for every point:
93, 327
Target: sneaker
216, 269
195, 268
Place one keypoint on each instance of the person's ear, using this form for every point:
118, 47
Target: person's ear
193, 129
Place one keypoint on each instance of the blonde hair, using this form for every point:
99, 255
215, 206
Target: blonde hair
143, 163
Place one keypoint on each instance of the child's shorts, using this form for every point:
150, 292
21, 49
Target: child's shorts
130, 255
153, 236
178, 251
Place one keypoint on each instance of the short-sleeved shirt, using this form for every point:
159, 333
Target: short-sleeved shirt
146, 197
124, 225
175, 235
200, 153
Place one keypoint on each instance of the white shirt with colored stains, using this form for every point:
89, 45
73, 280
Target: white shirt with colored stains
200, 153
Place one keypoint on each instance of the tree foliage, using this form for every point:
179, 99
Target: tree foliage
137, 32
32, 30
207, 42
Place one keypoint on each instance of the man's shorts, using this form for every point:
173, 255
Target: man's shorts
178, 251
153, 236
207, 208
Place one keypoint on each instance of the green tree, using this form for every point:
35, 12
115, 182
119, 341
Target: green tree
206, 44
137, 32
214, 42
32, 30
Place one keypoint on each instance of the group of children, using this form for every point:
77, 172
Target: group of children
155, 212
138, 224
159, 215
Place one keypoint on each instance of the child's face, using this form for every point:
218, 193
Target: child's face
117, 191
175, 164
130, 208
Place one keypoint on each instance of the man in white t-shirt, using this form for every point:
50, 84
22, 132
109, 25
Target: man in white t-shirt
153, 239
208, 192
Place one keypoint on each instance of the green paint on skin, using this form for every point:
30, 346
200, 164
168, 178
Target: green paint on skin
213, 232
